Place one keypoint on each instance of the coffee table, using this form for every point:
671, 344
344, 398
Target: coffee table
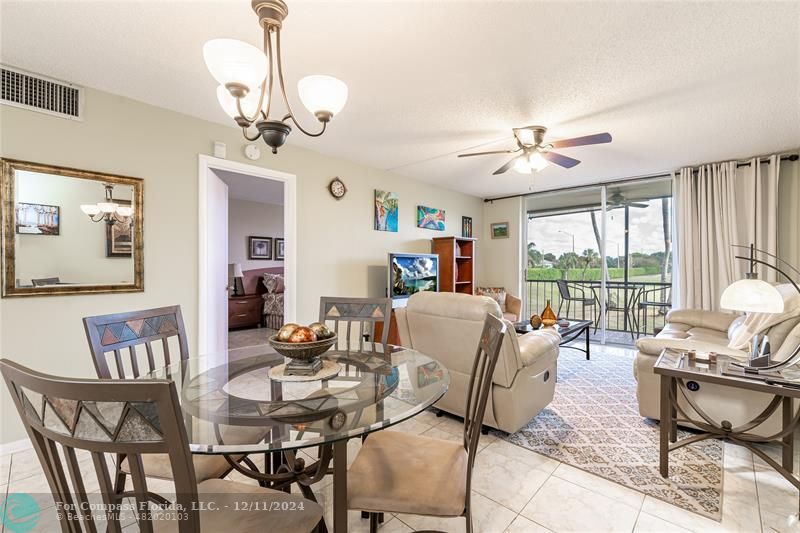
679, 375
575, 329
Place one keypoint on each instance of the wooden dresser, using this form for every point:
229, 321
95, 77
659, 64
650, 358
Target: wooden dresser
245, 311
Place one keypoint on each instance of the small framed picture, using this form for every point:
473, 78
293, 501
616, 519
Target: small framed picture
500, 230
37, 219
280, 252
259, 248
119, 235
466, 226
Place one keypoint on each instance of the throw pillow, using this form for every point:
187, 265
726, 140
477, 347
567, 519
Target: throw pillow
498, 294
274, 283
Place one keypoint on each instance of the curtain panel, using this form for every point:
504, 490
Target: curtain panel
716, 206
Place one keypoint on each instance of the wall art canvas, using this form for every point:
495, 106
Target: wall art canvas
280, 249
259, 248
37, 219
430, 218
119, 236
386, 209
466, 226
500, 230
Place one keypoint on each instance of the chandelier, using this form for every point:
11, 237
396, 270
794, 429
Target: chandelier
108, 211
247, 74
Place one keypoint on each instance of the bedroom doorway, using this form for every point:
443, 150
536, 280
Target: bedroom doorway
247, 221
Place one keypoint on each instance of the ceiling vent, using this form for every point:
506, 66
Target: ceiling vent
38, 93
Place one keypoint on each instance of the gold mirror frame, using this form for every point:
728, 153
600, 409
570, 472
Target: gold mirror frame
7, 186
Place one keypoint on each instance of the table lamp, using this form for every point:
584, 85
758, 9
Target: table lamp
235, 272
752, 295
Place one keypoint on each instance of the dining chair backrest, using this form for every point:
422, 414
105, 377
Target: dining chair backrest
111, 335
41, 282
123, 417
480, 383
342, 313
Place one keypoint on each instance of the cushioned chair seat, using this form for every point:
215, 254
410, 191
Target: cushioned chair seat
402, 473
205, 466
244, 508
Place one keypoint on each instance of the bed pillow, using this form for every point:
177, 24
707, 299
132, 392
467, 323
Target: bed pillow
274, 283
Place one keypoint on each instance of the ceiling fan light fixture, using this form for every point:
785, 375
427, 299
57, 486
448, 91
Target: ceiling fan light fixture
537, 161
522, 166
234, 62
525, 136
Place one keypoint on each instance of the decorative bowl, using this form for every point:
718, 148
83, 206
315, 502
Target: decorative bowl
302, 351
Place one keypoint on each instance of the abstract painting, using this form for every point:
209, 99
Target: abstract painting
37, 219
430, 218
385, 211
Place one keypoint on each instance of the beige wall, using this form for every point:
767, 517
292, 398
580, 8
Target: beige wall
246, 219
338, 251
789, 213
503, 257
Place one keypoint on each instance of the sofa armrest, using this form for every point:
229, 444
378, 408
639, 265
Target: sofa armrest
534, 344
654, 345
702, 319
513, 305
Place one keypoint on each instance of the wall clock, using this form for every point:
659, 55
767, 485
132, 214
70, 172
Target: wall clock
337, 188
252, 152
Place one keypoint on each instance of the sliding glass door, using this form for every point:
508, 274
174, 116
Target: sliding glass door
603, 254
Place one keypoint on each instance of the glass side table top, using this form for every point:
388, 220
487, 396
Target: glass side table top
230, 405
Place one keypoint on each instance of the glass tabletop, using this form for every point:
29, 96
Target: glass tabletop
231, 405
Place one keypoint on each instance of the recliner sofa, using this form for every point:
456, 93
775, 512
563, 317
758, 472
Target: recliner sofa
447, 326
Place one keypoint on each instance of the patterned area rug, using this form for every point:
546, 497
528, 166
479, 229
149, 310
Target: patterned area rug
593, 424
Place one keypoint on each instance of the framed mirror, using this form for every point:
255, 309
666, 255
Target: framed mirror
69, 231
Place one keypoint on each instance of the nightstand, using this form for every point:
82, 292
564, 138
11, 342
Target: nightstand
245, 311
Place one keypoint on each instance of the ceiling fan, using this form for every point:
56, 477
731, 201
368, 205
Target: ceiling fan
618, 200
536, 153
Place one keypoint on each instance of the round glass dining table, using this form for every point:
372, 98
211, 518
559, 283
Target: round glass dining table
232, 407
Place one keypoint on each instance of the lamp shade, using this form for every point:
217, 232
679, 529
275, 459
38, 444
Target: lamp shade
752, 295
537, 161
522, 166
228, 102
322, 93
235, 270
90, 209
232, 61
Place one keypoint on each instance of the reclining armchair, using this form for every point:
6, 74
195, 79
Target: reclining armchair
704, 331
447, 326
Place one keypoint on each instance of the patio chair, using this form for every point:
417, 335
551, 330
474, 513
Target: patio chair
565, 290
659, 298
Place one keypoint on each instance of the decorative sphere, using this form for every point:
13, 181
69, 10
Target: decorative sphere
536, 321
286, 331
302, 334
320, 330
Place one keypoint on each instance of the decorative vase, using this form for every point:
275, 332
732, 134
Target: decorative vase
536, 321
548, 316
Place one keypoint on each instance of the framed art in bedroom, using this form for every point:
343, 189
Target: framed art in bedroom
280, 253
259, 248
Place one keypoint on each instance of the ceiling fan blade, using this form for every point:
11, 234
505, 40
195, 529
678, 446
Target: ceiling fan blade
597, 138
560, 160
505, 167
489, 153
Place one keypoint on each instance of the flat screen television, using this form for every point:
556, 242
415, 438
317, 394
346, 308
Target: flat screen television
411, 273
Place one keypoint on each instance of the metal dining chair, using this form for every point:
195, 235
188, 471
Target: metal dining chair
659, 298
342, 313
119, 338
402, 473
135, 419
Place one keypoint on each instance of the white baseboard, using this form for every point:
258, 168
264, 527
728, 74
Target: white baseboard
15, 446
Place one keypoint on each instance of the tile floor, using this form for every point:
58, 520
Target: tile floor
517, 490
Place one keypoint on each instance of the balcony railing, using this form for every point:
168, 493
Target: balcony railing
634, 307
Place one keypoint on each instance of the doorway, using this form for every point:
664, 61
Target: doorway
247, 228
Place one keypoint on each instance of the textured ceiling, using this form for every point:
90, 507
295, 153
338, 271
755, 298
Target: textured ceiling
675, 83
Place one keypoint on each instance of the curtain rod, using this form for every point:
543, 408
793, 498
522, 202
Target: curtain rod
788, 157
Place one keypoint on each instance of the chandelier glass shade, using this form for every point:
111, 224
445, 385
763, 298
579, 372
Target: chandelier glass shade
533, 161
107, 211
247, 75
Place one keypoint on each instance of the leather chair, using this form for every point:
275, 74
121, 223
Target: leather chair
447, 326
706, 331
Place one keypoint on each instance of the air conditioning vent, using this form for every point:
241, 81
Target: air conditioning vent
38, 93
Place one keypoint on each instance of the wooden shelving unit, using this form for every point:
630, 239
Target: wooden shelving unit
456, 263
